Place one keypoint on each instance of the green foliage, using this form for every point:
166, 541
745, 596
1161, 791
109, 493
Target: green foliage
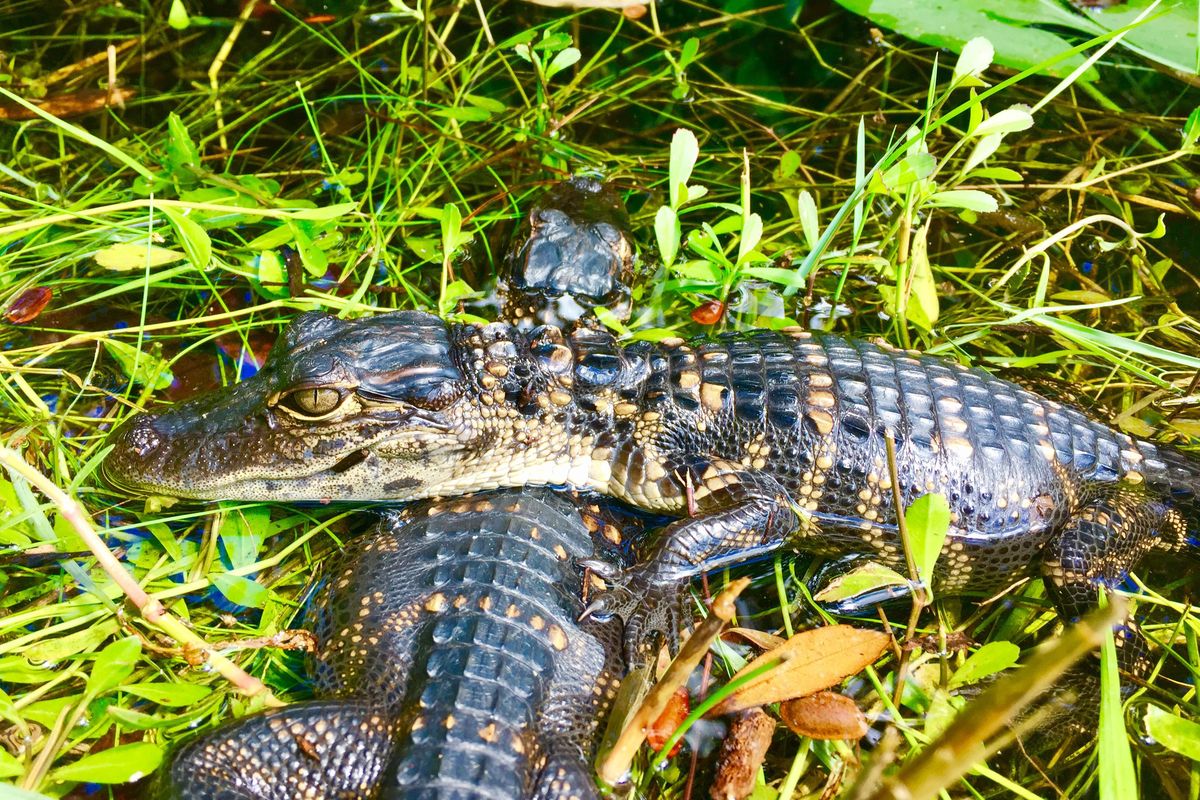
928, 522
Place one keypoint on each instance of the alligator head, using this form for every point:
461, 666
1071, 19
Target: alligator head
361, 410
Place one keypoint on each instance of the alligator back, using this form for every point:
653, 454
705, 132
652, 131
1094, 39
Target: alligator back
450, 665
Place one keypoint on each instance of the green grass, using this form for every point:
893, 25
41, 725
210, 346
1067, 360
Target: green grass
331, 176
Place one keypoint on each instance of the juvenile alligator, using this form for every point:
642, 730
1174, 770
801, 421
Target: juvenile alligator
451, 666
753, 439
450, 662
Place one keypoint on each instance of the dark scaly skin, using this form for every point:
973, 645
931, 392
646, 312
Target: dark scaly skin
753, 439
450, 666
572, 253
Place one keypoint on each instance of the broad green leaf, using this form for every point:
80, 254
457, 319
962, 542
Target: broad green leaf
145, 368
138, 720
270, 272
993, 657
168, 694
689, 51
860, 581
127, 256
483, 101
1007, 24
684, 152
125, 762
241, 534
16, 669
312, 257
996, 173
983, 150
909, 170
241, 590
970, 199
976, 56
276, 237
10, 766
789, 163
562, 60
53, 650
113, 664
752, 228
807, 210
181, 150
1174, 733
1009, 120
928, 522
1117, 778
193, 238
1191, 130
324, 212
463, 113
922, 308
1168, 36
177, 17
666, 231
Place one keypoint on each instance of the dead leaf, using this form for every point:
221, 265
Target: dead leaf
28, 305
808, 662
69, 105
760, 639
742, 753
677, 710
824, 715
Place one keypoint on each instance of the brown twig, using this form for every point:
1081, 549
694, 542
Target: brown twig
150, 609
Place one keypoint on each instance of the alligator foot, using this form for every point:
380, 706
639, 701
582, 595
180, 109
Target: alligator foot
650, 604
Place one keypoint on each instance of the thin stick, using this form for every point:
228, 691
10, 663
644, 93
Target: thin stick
616, 764
150, 609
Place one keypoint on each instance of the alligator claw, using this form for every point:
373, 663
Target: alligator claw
650, 606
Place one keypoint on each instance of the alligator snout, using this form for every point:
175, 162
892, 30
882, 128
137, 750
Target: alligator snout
135, 442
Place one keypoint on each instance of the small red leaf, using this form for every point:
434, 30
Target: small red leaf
28, 305
709, 313
671, 718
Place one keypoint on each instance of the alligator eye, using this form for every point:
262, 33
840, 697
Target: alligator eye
314, 402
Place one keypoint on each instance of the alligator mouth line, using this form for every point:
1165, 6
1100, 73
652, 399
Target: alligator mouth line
352, 460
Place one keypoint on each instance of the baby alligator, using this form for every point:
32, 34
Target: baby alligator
754, 439
450, 666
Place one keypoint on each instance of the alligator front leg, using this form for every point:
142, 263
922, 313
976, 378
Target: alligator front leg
734, 516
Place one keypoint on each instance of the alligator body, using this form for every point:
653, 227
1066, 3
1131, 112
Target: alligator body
450, 666
753, 439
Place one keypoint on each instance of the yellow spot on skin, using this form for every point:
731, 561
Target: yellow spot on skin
518, 746
625, 409
497, 369
823, 421
512, 612
712, 396
450, 722
435, 603
824, 462
958, 446
418, 724
534, 533
654, 471
821, 399
689, 379
1134, 477
460, 601
560, 398
558, 639
561, 552
820, 380
487, 382
537, 623
488, 734
485, 603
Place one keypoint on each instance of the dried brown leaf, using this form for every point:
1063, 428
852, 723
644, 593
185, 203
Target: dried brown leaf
69, 105
808, 662
28, 304
824, 715
760, 639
